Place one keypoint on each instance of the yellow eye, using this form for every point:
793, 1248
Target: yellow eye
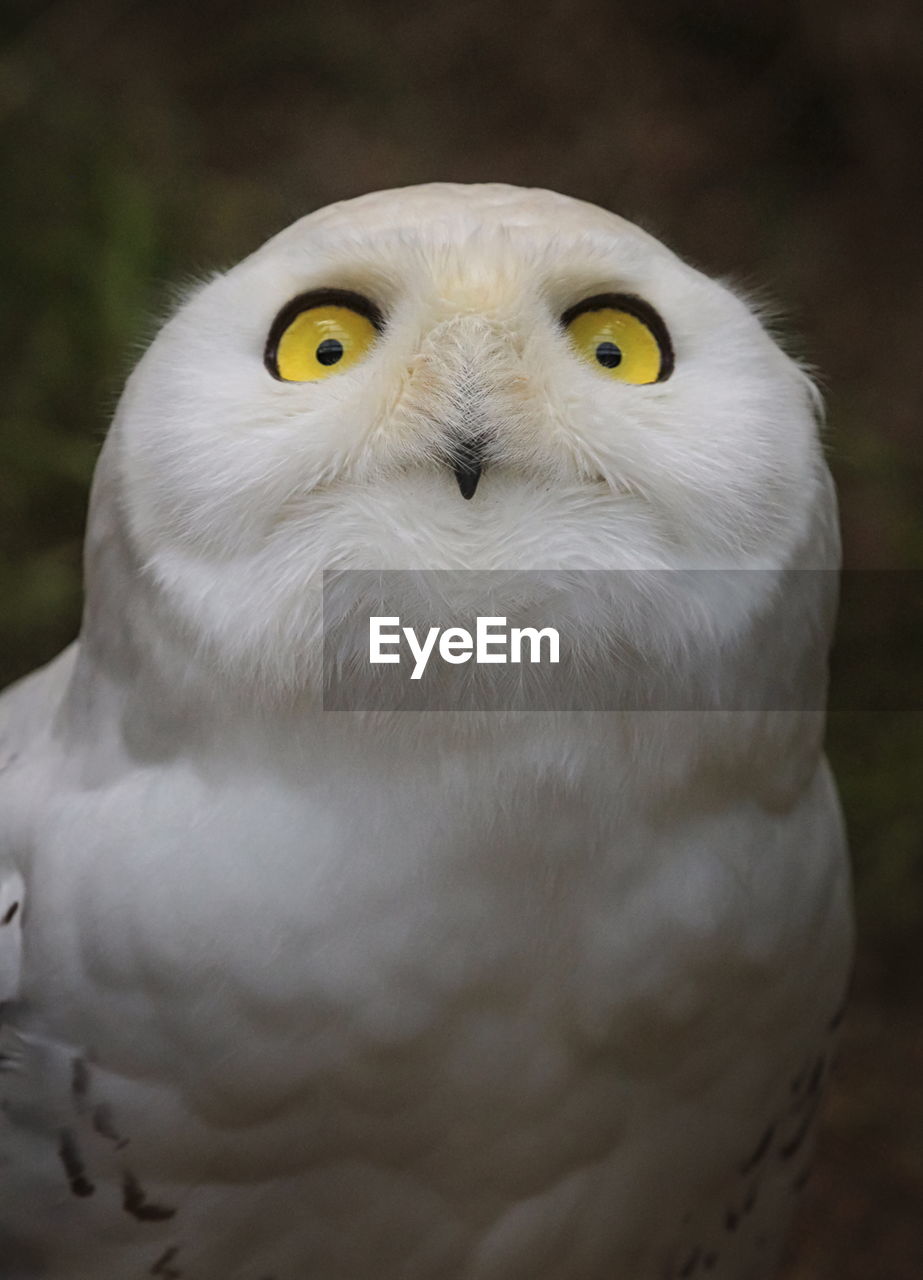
621, 337
321, 333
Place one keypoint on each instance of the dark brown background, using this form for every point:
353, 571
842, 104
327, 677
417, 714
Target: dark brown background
774, 143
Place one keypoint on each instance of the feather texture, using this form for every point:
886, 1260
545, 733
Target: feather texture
298, 995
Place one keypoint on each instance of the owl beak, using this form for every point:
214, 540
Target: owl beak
467, 462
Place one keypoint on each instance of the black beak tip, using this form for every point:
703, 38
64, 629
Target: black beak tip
468, 463
467, 477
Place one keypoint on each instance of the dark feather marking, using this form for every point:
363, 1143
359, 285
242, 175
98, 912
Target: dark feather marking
797, 1140
731, 1220
817, 1075
690, 1264
760, 1151
708, 1262
80, 1081
105, 1126
812, 1100
802, 1179
134, 1201
841, 1009
10, 913
750, 1203
74, 1167
162, 1266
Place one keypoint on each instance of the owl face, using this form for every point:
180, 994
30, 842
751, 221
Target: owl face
452, 377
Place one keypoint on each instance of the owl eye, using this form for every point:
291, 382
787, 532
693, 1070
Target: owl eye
321, 333
622, 337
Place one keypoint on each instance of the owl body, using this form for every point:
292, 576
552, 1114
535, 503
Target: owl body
299, 994
382, 1049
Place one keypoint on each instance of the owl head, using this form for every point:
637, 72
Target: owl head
444, 377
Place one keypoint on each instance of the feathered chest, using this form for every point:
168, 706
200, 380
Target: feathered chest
276, 930
440, 998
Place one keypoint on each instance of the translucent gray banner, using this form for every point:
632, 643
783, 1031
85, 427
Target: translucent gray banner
627, 640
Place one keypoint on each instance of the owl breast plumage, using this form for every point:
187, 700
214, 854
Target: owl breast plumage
294, 993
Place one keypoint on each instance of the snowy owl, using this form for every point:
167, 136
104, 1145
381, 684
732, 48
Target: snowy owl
292, 993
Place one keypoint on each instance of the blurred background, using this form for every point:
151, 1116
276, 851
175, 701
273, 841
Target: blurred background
776, 144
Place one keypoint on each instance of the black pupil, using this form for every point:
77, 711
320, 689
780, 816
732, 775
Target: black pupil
608, 354
330, 351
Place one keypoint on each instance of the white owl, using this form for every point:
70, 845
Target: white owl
297, 994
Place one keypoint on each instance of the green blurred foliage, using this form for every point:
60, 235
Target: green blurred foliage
81, 249
775, 143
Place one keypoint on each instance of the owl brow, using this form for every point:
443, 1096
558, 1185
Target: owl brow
330, 297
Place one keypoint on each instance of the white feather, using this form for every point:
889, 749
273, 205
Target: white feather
310, 995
